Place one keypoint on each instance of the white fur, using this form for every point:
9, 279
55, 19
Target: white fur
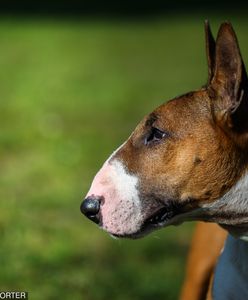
236, 198
121, 210
125, 183
233, 203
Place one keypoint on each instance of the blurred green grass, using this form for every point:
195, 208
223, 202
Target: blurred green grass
71, 92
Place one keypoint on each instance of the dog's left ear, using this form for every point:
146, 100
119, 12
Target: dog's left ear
229, 85
210, 50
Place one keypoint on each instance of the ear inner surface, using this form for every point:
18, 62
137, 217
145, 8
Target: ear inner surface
229, 81
228, 62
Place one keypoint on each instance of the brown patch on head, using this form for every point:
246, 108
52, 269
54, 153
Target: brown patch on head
203, 151
194, 160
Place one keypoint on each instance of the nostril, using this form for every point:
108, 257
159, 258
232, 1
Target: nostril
90, 205
90, 208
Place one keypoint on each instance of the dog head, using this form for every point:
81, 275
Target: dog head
183, 158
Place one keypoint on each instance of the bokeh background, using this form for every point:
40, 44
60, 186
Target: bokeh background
75, 79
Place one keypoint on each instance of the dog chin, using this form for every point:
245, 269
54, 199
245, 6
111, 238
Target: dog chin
136, 235
142, 232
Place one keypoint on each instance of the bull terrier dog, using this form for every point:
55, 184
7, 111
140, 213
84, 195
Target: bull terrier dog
187, 160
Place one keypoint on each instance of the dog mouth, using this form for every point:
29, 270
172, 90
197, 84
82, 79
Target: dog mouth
161, 216
164, 216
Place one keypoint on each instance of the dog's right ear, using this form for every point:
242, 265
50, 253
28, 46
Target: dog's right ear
228, 88
210, 51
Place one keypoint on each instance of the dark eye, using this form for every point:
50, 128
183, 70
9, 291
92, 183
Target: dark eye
155, 135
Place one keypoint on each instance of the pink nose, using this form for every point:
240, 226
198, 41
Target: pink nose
90, 207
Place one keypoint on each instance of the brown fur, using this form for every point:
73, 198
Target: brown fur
181, 166
190, 126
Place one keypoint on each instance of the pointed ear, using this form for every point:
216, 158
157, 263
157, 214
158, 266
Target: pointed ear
210, 50
229, 84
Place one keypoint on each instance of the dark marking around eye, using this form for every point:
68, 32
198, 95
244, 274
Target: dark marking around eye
155, 135
151, 119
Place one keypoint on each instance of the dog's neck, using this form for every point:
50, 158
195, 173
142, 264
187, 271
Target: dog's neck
231, 210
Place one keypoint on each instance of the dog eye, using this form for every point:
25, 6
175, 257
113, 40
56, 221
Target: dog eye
155, 135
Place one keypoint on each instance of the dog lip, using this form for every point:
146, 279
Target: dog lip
162, 215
